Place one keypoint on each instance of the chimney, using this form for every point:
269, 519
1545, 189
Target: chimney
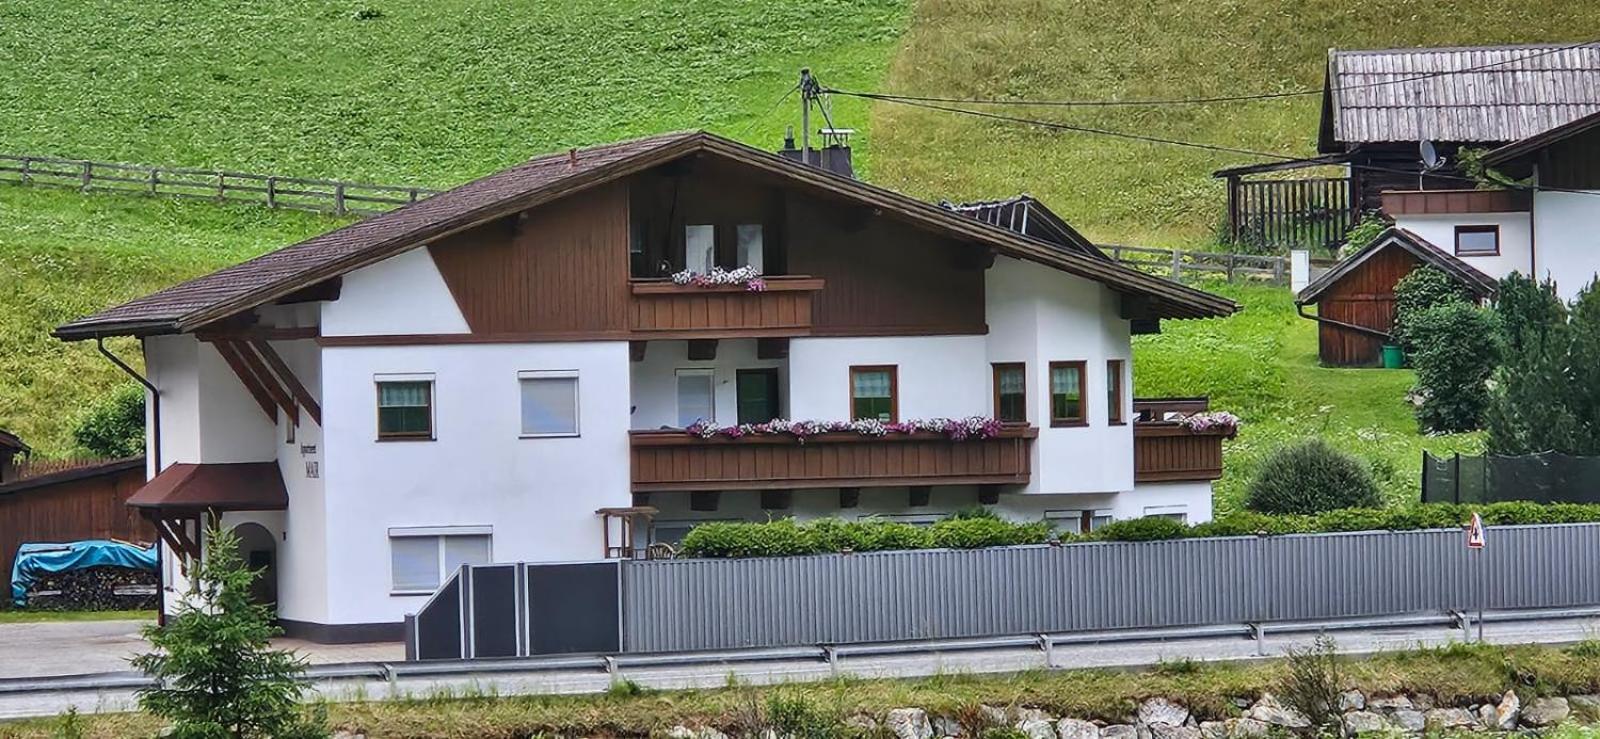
834, 155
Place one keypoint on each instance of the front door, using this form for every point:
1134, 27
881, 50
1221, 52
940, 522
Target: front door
758, 395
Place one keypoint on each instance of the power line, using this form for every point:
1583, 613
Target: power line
759, 118
892, 97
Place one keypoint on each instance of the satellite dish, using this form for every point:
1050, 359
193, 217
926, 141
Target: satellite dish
1430, 156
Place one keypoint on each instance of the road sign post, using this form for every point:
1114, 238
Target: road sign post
1475, 542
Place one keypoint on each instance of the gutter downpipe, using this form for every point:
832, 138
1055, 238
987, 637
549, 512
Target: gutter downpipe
155, 455
1300, 310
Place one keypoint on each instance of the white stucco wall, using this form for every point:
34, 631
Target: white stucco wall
655, 389
403, 294
938, 376
206, 413
1038, 315
538, 494
1567, 239
1516, 251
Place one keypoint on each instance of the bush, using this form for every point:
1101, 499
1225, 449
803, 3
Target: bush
1363, 233
114, 425
1423, 288
1150, 528
1456, 351
786, 538
977, 533
1311, 477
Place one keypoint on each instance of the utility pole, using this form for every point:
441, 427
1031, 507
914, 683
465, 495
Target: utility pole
810, 91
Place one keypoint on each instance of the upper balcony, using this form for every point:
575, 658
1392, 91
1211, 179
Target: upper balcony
1168, 451
661, 309
674, 460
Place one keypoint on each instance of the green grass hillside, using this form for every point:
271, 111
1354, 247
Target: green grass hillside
1261, 364
1082, 49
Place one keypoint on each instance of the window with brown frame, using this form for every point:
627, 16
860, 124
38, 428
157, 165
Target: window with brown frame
875, 393
1067, 394
405, 409
1477, 241
1114, 391
1010, 392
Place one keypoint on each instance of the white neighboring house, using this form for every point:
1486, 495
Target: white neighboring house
1550, 231
503, 372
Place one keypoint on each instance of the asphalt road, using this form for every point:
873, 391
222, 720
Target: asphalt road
1119, 654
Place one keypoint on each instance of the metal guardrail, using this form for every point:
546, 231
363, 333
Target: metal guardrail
337, 197
822, 653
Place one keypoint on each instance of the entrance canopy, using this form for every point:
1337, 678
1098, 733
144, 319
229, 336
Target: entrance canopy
246, 486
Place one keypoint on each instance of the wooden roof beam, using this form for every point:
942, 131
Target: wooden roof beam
289, 379
230, 354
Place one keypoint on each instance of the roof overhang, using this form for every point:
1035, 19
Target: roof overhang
1480, 284
111, 467
1531, 146
1169, 299
240, 486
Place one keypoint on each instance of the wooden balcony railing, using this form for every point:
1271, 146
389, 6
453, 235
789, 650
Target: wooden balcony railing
663, 310
1164, 451
674, 460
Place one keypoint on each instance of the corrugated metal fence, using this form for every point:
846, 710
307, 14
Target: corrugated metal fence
717, 604
685, 605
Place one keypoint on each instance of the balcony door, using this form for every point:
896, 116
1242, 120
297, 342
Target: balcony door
758, 395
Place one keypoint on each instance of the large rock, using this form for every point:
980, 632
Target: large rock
1072, 728
1407, 719
943, 726
1542, 712
1168, 731
1213, 730
1119, 731
1037, 728
909, 723
677, 732
1162, 711
1021, 716
1449, 718
1586, 707
1269, 711
1507, 713
1245, 728
1357, 723
1390, 703
1352, 700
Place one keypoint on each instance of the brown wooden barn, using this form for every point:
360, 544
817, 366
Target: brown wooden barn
55, 502
1355, 299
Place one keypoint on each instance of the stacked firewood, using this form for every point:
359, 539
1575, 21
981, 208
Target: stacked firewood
96, 589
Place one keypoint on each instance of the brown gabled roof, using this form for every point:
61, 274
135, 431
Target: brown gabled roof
98, 468
241, 486
242, 287
1480, 284
1537, 142
1477, 94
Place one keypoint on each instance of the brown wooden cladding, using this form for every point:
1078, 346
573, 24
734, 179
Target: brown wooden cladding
1167, 452
1414, 202
1573, 163
76, 507
1363, 297
661, 309
561, 268
676, 461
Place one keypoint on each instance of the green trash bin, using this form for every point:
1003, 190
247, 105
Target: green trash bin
1393, 357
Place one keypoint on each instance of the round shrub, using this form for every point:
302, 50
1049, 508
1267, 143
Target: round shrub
1311, 477
1150, 528
1456, 351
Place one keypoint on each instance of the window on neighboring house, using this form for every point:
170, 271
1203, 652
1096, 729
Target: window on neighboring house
758, 395
1011, 392
751, 251
549, 402
699, 247
1067, 394
405, 409
1477, 241
1175, 512
1114, 391
1077, 522
421, 559
873, 393
696, 397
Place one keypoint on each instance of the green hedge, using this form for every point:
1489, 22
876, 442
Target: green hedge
787, 538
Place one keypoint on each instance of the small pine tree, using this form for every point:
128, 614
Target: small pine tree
1582, 393
217, 674
1457, 349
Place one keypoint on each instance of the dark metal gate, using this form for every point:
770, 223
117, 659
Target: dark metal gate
520, 610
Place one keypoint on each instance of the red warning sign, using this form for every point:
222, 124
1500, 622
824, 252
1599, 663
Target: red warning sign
1475, 532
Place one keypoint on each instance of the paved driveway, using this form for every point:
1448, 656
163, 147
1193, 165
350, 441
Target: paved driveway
81, 647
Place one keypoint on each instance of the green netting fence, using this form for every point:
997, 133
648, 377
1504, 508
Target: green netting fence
1548, 477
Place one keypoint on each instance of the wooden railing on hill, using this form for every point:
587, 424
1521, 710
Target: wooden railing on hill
1174, 263
274, 191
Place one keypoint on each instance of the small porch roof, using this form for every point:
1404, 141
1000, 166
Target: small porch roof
243, 486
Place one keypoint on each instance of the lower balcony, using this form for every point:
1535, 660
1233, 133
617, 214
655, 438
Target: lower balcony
1166, 451
678, 461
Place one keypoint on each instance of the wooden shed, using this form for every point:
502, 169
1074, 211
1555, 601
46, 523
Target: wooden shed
64, 502
1355, 299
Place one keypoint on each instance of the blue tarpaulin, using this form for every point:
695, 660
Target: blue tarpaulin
35, 560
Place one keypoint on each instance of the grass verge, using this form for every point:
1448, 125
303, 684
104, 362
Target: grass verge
8, 616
